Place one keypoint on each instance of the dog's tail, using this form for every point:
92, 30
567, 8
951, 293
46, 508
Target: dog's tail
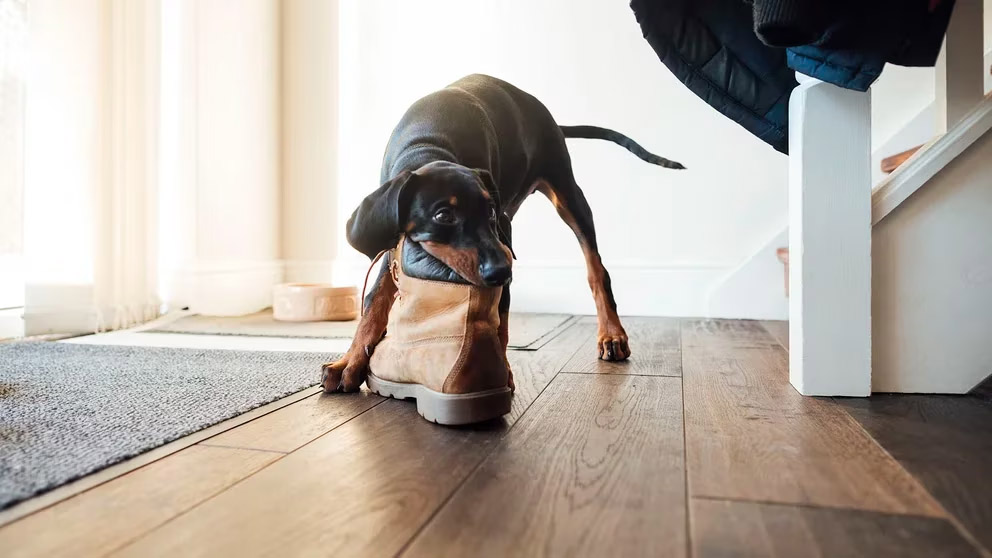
595, 132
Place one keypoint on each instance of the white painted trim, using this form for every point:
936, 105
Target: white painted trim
829, 239
226, 287
11, 323
628, 264
932, 282
925, 163
641, 287
74, 308
755, 289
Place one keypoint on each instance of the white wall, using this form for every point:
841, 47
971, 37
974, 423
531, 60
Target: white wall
237, 87
666, 236
932, 282
898, 95
223, 199
309, 139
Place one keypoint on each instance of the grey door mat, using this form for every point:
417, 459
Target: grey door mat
68, 410
527, 331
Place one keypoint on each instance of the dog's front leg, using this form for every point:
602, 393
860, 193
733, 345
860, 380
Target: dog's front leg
348, 373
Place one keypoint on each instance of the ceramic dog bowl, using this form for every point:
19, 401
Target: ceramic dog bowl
314, 302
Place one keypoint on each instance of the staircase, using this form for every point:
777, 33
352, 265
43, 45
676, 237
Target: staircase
892, 291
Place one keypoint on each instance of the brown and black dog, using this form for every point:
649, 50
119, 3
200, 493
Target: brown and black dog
456, 169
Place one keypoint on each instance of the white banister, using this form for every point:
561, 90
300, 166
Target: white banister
830, 239
960, 70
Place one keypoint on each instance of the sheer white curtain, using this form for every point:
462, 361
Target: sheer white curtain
91, 124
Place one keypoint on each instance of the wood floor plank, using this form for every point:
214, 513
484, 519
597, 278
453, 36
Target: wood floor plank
945, 441
723, 528
362, 489
295, 425
533, 370
750, 435
654, 343
387, 437
108, 516
779, 330
595, 468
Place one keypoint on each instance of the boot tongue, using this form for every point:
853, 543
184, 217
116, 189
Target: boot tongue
417, 263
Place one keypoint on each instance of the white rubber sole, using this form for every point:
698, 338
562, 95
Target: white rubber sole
447, 408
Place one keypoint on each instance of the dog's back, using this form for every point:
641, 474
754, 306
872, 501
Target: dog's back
478, 121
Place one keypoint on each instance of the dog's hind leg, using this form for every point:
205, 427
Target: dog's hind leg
567, 197
348, 373
504, 300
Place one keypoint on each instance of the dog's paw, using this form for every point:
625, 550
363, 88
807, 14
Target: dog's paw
509, 380
345, 375
613, 346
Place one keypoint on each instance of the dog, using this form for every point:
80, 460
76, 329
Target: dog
457, 167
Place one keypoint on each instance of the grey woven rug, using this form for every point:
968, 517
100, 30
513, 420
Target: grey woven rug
68, 410
528, 332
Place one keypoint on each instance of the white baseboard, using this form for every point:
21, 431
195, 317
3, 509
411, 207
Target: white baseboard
226, 287
11, 323
55, 308
754, 290
641, 288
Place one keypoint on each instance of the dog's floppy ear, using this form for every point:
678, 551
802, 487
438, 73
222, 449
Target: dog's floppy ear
502, 220
488, 182
376, 224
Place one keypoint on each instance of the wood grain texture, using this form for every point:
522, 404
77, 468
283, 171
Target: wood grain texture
945, 442
892, 162
983, 390
750, 435
362, 489
100, 477
779, 330
111, 515
291, 427
533, 370
654, 343
595, 468
722, 528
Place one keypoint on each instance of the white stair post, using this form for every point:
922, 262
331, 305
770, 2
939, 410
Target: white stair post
830, 239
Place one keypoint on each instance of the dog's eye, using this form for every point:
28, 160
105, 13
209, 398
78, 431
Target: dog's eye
445, 216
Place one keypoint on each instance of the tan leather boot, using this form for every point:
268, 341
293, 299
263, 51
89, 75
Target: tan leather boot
442, 348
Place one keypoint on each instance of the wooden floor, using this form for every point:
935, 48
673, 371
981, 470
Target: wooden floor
697, 447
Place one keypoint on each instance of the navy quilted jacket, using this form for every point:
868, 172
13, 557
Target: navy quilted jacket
740, 56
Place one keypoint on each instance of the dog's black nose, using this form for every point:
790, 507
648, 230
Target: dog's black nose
494, 274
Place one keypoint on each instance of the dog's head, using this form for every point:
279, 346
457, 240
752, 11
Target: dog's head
449, 210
